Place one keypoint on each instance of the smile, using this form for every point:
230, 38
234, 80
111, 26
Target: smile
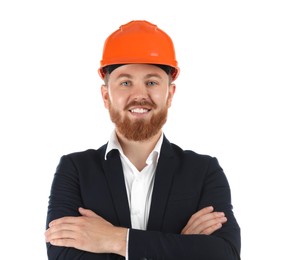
139, 110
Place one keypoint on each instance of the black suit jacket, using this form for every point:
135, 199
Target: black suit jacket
184, 183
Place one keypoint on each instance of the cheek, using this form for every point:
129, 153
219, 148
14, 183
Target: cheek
117, 101
161, 98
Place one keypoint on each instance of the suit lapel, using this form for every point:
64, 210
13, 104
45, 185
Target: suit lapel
162, 186
115, 178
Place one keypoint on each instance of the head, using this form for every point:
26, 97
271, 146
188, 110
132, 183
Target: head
138, 68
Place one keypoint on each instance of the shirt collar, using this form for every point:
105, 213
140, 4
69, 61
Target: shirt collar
113, 143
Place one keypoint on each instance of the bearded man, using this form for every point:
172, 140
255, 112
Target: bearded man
140, 196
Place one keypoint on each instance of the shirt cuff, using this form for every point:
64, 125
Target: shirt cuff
127, 245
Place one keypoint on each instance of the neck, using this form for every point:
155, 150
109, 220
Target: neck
138, 151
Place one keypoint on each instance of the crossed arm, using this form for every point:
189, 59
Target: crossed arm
90, 232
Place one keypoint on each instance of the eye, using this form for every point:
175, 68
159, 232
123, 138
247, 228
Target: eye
125, 83
152, 83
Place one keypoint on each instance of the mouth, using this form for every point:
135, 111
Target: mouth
139, 110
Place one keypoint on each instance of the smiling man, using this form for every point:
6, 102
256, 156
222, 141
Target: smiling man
149, 92
140, 196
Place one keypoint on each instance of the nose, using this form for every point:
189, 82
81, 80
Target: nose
139, 91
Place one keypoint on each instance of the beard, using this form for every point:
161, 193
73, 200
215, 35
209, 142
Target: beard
139, 129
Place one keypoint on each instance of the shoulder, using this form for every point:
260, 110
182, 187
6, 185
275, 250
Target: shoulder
173, 149
189, 157
82, 159
190, 153
193, 156
86, 154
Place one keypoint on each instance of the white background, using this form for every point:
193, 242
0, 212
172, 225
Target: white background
227, 103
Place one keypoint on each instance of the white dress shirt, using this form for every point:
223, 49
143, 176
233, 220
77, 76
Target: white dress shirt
139, 184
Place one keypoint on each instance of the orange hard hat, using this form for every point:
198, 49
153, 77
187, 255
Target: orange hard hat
139, 41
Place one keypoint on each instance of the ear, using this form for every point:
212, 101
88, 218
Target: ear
105, 95
172, 90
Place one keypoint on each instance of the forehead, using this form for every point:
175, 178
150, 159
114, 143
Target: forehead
138, 70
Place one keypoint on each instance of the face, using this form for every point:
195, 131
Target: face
138, 97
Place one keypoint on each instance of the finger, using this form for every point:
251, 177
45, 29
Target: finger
198, 217
59, 233
212, 228
199, 214
209, 223
208, 217
202, 222
67, 242
203, 211
62, 220
88, 212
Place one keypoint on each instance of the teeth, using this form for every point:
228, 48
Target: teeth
139, 110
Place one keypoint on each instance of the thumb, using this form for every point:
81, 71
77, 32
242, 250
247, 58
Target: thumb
87, 212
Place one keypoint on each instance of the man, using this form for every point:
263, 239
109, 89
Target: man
140, 196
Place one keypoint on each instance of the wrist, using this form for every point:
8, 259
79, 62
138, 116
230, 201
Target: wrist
119, 241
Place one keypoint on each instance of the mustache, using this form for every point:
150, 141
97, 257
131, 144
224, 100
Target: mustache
141, 103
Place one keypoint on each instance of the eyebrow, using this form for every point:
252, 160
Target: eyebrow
153, 75
124, 75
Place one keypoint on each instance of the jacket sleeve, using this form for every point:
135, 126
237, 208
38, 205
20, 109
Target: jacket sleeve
64, 200
224, 244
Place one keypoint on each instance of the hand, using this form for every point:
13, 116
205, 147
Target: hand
205, 221
88, 232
